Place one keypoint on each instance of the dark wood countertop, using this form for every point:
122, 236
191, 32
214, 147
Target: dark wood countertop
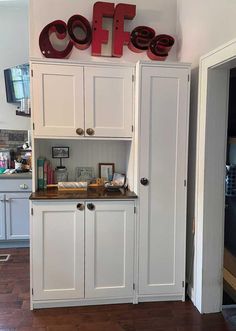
91, 193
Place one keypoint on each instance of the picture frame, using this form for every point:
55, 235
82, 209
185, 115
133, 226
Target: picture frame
106, 170
84, 174
60, 152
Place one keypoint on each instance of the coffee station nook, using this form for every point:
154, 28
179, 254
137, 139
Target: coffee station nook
112, 227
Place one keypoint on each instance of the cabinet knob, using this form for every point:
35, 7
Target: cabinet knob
91, 206
80, 206
80, 131
144, 181
90, 131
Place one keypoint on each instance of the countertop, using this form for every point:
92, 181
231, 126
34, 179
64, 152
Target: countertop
22, 175
91, 193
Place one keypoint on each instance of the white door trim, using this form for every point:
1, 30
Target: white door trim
210, 162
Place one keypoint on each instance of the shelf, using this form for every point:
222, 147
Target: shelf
21, 113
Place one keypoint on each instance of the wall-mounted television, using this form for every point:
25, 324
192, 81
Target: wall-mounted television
17, 82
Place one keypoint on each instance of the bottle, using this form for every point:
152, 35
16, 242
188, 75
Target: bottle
61, 174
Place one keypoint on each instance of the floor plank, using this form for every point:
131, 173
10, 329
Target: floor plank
160, 316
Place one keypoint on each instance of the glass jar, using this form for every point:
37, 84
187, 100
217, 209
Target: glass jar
61, 174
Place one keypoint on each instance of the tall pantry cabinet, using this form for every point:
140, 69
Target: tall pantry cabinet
149, 235
163, 144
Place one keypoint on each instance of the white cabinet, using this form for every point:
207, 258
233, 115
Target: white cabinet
109, 250
58, 100
57, 251
163, 173
2, 217
77, 101
82, 250
17, 216
109, 101
14, 210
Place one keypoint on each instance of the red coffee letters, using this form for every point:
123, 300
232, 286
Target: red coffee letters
141, 39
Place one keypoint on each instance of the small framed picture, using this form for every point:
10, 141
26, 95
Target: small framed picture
60, 152
106, 170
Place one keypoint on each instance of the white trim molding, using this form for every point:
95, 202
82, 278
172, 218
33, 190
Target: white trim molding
210, 172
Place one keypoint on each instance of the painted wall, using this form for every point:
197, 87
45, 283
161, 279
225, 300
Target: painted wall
202, 26
158, 14
14, 50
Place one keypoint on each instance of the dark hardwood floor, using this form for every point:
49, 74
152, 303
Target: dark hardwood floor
163, 316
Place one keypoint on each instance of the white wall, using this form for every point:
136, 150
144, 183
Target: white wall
158, 14
13, 51
202, 26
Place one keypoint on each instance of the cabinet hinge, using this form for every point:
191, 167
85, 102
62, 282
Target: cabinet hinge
133, 286
32, 73
133, 78
32, 211
33, 126
32, 291
183, 283
132, 128
135, 210
185, 182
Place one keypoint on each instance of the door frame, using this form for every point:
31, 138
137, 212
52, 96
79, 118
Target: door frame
214, 69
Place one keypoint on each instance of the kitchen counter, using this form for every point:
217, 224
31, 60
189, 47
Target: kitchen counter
91, 193
22, 175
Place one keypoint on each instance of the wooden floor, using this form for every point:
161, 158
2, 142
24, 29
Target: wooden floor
15, 313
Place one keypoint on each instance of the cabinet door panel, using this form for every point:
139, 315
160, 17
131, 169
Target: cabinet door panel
17, 215
2, 218
57, 251
109, 250
109, 101
163, 160
58, 108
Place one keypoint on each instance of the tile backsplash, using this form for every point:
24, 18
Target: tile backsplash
12, 138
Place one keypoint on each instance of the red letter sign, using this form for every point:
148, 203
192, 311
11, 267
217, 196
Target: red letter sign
121, 37
160, 46
60, 28
78, 21
100, 36
140, 39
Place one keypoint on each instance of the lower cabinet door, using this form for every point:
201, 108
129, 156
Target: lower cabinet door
2, 217
109, 249
57, 250
17, 216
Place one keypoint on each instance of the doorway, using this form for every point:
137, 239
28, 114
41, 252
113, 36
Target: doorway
214, 71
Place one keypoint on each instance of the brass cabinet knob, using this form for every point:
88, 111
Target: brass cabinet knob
80, 131
80, 206
90, 131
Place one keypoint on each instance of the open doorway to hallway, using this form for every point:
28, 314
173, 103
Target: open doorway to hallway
229, 267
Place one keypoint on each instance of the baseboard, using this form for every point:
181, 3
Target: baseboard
82, 302
149, 298
14, 244
190, 292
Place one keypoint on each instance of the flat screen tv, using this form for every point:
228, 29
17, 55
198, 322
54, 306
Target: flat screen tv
17, 83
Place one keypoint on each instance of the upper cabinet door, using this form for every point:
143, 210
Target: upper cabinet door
108, 101
163, 162
58, 106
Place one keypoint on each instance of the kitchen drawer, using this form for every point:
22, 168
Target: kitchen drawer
16, 185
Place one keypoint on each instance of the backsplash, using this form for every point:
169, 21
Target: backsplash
12, 138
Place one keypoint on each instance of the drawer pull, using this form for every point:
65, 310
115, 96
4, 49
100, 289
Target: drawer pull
24, 186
